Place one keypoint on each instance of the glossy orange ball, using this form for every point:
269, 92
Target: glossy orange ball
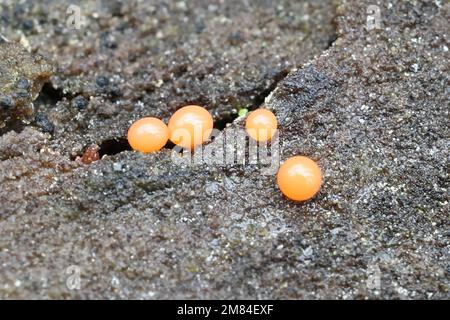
299, 178
261, 125
190, 126
148, 135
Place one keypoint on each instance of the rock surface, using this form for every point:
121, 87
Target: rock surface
372, 109
22, 76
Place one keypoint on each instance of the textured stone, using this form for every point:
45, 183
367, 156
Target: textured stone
22, 76
372, 110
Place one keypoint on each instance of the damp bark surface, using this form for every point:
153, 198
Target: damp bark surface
370, 105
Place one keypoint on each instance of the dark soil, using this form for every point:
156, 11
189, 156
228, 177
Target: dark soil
371, 106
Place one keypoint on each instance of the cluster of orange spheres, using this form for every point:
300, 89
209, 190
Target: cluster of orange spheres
188, 127
299, 178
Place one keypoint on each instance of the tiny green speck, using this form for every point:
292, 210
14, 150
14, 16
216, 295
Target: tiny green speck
242, 112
